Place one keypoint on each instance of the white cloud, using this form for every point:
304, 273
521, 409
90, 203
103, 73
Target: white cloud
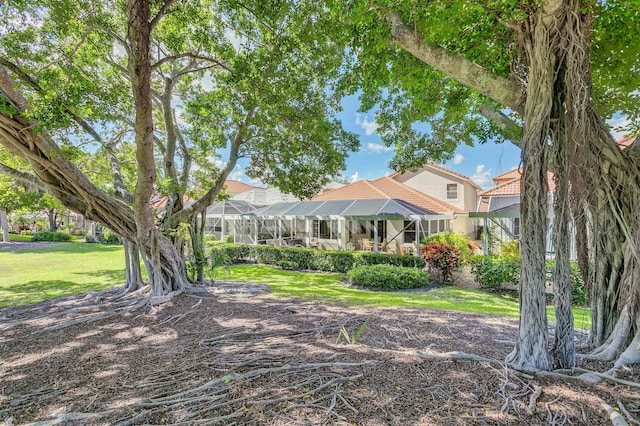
458, 159
354, 177
378, 148
482, 177
369, 127
236, 174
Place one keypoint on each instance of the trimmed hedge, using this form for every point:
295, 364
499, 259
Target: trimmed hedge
492, 271
388, 277
50, 236
312, 259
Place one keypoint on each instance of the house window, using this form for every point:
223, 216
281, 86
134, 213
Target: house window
452, 191
516, 227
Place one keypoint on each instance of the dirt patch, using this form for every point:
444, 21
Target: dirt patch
237, 355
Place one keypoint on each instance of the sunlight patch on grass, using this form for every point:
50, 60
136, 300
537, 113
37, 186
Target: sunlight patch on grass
32, 275
330, 289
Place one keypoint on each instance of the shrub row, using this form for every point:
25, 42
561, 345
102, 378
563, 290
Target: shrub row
303, 258
50, 236
492, 272
388, 277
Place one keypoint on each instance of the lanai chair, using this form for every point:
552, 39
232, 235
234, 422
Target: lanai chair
366, 245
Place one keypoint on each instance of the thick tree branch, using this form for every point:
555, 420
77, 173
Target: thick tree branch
207, 199
22, 177
163, 11
463, 70
186, 160
508, 128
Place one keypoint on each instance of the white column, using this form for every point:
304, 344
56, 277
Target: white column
222, 226
255, 231
418, 237
307, 237
5, 226
375, 236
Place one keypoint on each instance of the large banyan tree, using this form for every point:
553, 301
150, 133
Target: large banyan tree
546, 75
181, 83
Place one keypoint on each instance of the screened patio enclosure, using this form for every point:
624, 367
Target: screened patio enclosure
223, 217
374, 225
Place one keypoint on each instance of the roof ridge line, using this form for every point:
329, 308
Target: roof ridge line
378, 190
509, 182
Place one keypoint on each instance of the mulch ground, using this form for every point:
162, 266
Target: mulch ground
236, 355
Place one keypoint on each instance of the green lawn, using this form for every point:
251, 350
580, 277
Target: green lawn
328, 288
16, 237
28, 276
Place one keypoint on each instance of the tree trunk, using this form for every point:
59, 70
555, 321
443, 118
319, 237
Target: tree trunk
564, 348
71, 187
530, 353
167, 271
197, 245
133, 273
5, 226
53, 219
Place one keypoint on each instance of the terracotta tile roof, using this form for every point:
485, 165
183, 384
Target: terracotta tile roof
507, 176
625, 142
512, 187
237, 187
160, 203
444, 169
386, 187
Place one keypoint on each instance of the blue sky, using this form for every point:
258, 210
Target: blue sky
481, 162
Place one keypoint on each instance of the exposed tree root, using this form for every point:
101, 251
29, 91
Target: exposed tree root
615, 417
610, 349
588, 376
533, 399
631, 355
230, 396
65, 418
95, 317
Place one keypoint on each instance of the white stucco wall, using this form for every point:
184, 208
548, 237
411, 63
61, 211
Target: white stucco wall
462, 225
434, 182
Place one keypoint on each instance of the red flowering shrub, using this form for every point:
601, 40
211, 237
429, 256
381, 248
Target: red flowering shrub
442, 257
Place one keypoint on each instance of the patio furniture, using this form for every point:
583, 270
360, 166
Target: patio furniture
366, 245
313, 242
